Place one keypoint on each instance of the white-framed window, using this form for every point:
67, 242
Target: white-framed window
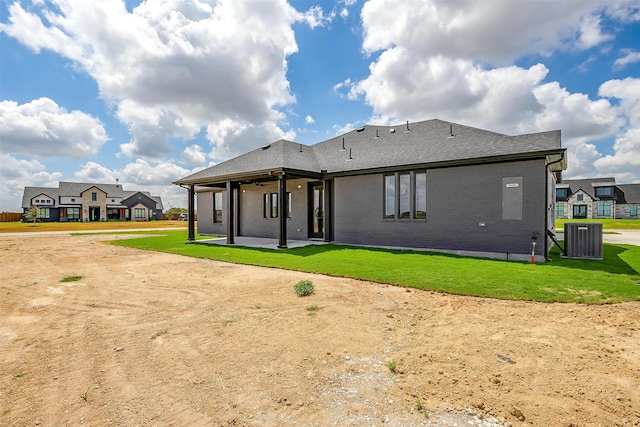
44, 213
73, 213
603, 208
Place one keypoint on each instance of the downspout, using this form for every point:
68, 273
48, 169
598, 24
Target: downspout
546, 204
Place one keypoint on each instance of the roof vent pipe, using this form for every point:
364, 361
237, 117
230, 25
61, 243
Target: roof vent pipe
450, 131
376, 133
350, 158
301, 148
342, 149
408, 130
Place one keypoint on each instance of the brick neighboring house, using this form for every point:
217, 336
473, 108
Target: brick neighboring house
76, 201
597, 198
431, 184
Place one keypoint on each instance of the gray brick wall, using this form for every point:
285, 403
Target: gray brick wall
458, 201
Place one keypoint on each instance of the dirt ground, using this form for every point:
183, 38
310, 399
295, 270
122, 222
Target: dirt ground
151, 339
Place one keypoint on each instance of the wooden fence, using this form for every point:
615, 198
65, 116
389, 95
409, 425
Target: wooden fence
10, 216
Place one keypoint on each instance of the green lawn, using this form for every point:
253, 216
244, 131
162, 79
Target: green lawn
607, 224
616, 279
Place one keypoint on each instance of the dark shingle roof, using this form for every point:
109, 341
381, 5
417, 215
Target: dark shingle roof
128, 194
630, 193
586, 185
373, 147
31, 192
281, 154
77, 188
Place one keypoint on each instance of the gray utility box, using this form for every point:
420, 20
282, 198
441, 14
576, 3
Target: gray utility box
583, 240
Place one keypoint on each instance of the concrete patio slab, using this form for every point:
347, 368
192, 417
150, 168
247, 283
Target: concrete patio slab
258, 242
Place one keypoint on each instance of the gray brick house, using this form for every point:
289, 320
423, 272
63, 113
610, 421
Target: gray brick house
77, 201
597, 198
431, 184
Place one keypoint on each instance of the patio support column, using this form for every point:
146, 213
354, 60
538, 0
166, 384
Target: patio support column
191, 208
230, 212
282, 210
328, 209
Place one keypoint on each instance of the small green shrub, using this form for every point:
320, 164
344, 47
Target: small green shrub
392, 365
303, 288
85, 394
313, 309
421, 408
70, 279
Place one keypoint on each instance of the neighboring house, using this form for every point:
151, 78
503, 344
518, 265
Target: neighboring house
75, 201
432, 185
597, 198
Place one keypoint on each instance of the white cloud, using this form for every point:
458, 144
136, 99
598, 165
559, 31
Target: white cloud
309, 120
315, 17
630, 58
624, 11
401, 88
142, 172
231, 138
41, 128
15, 174
94, 172
626, 158
157, 178
581, 159
492, 31
579, 117
343, 86
590, 33
193, 155
348, 127
171, 67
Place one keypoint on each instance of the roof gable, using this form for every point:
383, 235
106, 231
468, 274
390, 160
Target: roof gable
92, 188
580, 191
134, 197
31, 192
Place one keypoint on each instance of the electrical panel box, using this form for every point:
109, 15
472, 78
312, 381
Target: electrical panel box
583, 240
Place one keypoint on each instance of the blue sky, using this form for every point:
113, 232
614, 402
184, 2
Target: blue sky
148, 92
